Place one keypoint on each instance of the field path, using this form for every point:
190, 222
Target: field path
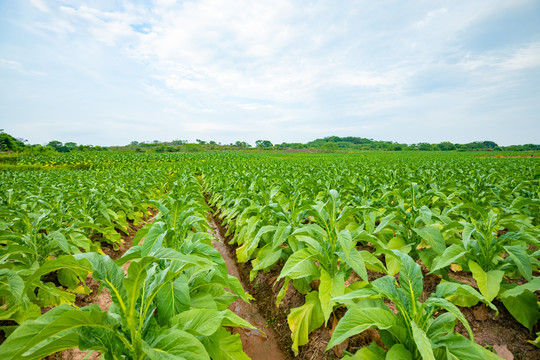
256, 344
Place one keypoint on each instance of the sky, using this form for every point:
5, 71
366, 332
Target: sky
108, 72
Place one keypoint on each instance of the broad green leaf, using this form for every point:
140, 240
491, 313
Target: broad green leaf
462, 295
399, 351
299, 265
110, 275
358, 319
451, 308
330, 287
450, 256
524, 308
154, 238
432, 235
520, 257
422, 342
371, 352
461, 348
175, 344
532, 286
51, 332
62, 262
61, 241
410, 276
489, 282
172, 299
442, 325
222, 345
304, 319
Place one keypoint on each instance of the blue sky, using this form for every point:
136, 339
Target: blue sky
108, 72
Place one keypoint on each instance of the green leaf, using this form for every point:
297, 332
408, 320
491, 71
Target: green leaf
451, 308
172, 299
110, 275
371, 352
532, 286
330, 287
304, 319
460, 348
524, 308
53, 331
520, 257
489, 282
175, 344
358, 319
222, 345
432, 235
61, 241
462, 295
354, 259
422, 342
399, 351
154, 238
450, 256
410, 276
62, 262
299, 265
442, 325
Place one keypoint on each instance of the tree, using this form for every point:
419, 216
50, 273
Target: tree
9, 143
330, 146
55, 144
446, 145
264, 144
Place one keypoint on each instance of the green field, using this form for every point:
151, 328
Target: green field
355, 236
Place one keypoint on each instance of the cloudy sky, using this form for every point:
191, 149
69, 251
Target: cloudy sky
108, 72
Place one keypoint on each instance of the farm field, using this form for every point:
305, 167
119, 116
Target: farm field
371, 255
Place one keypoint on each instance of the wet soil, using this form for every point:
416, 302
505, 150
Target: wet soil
258, 344
265, 289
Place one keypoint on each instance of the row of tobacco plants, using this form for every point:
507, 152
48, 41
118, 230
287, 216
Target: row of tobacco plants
172, 301
325, 221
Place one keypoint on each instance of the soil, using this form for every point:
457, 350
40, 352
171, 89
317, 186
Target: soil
260, 344
500, 332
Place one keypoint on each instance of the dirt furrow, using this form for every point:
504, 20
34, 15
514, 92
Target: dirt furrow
257, 344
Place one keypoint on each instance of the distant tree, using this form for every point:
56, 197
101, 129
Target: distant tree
70, 146
134, 143
489, 144
425, 146
55, 144
330, 146
264, 144
446, 145
9, 143
212, 142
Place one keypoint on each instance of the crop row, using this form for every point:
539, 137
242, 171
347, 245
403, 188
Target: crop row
172, 300
323, 221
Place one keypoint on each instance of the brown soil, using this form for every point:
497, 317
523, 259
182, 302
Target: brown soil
258, 344
265, 289
502, 331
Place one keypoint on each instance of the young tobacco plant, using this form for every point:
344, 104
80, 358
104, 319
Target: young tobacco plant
132, 327
412, 332
324, 251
